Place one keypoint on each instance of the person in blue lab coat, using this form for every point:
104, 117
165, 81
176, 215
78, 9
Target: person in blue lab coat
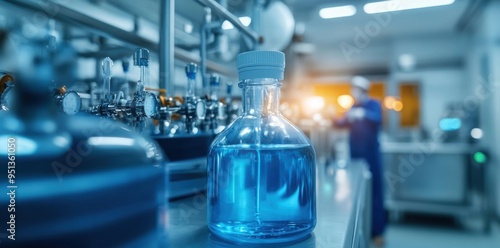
364, 120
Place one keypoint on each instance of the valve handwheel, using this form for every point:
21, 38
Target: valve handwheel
3, 82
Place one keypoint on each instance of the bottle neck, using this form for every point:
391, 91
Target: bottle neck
261, 97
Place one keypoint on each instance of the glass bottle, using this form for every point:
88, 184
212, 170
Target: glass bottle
261, 169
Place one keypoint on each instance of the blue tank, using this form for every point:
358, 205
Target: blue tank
75, 181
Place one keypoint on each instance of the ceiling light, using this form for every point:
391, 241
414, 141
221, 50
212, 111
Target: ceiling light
397, 5
245, 20
336, 12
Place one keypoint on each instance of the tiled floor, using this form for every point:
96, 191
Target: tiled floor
430, 232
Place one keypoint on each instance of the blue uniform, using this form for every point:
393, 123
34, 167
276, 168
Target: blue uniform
363, 142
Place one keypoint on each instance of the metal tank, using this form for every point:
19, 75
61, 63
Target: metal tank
75, 181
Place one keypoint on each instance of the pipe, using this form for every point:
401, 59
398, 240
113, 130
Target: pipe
203, 46
167, 48
79, 19
224, 13
206, 29
258, 6
216, 67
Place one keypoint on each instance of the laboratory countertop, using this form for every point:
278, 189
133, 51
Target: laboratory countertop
340, 193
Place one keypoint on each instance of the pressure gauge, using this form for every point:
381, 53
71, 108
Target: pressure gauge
71, 103
7, 98
200, 109
150, 105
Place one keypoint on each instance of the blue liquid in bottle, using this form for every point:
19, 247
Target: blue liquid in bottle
263, 194
261, 169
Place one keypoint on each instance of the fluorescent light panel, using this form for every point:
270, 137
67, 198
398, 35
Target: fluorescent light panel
397, 5
245, 20
336, 12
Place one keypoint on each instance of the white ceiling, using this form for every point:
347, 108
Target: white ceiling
417, 22
429, 26
437, 23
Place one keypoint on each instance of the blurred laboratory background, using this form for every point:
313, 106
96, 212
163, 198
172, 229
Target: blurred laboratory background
166, 71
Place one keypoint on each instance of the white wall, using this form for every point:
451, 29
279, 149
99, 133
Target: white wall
441, 83
438, 87
486, 45
437, 48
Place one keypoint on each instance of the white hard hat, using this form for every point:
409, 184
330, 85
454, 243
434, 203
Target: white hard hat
360, 82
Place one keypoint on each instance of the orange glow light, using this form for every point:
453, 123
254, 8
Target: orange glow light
345, 101
389, 101
397, 106
314, 103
